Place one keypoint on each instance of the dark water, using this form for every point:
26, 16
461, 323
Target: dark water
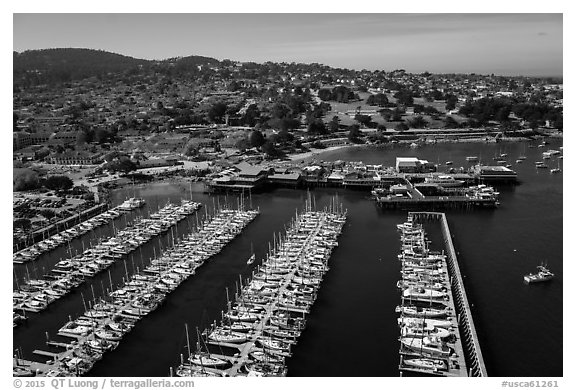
352, 326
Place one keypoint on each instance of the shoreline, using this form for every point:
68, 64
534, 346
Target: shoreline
316, 154
301, 157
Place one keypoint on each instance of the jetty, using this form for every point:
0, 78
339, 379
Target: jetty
438, 336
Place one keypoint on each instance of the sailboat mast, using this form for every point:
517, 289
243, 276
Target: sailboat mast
187, 340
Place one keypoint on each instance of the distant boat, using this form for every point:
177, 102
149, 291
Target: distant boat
449, 162
472, 158
252, 257
542, 275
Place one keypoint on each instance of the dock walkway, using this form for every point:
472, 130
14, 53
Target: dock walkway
469, 343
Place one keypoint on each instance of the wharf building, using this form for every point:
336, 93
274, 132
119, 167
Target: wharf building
411, 170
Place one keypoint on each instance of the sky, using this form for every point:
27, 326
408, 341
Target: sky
506, 44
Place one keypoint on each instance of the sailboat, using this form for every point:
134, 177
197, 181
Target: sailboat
522, 157
252, 258
203, 358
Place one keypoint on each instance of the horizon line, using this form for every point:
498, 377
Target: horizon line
294, 62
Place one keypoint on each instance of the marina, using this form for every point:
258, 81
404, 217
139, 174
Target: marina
270, 310
32, 252
356, 273
101, 327
36, 294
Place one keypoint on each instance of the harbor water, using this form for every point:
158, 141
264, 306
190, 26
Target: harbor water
351, 329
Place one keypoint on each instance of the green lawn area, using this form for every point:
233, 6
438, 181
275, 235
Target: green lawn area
339, 110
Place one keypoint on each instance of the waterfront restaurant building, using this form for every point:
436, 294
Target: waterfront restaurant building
413, 165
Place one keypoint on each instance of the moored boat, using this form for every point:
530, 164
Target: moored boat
427, 364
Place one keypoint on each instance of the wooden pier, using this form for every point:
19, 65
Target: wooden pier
459, 302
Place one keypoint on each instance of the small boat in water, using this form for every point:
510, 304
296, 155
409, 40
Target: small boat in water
472, 158
542, 275
251, 259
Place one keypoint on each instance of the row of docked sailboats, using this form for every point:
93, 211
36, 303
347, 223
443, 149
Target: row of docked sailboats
47, 244
269, 311
36, 294
426, 320
111, 318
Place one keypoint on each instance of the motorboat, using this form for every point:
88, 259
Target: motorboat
427, 364
426, 312
542, 275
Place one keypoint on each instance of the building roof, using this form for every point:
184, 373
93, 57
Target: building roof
285, 176
407, 159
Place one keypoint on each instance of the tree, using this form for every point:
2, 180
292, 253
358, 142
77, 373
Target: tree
386, 113
122, 164
58, 182
279, 110
451, 101
379, 99
26, 180
334, 124
401, 127
363, 119
418, 122
251, 115
354, 133
404, 97
271, 151
284, 123
325, 94
317, 126
217, 111
47, 213
396, 115
42, 153
256, 138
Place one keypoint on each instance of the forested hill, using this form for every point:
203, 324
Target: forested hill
52, 66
